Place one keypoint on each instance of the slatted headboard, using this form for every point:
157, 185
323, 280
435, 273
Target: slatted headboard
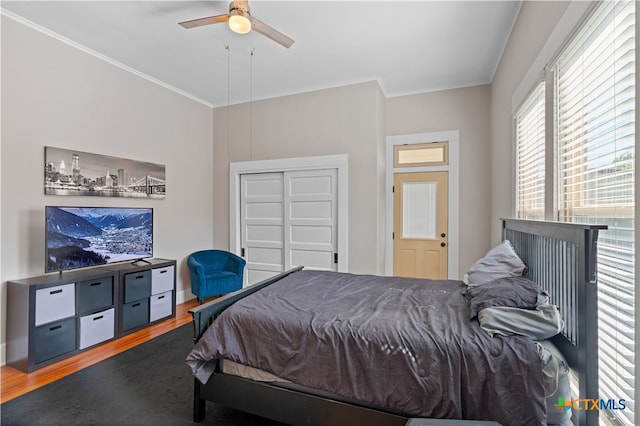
565, 259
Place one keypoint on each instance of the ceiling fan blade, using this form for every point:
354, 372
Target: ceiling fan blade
270, 32
204, 21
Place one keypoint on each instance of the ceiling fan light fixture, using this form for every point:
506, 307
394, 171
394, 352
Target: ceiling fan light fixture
239, 21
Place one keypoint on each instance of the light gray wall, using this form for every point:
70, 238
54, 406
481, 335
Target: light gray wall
56, 95
534, 24
466, 110
355, 120
343, 120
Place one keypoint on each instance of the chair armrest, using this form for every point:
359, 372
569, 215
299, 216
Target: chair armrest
196, 269
236, 264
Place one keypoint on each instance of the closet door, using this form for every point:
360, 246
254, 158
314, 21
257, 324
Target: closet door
310, 219
288, 219
262, 224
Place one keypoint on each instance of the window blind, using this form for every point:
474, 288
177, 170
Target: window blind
530, 141
595, 135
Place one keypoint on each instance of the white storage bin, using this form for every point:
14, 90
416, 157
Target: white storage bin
162, 279
160, 305
54, 303
96, 328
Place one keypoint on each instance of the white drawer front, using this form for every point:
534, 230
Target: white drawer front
54, 303
96, 328
161, 279
160, 305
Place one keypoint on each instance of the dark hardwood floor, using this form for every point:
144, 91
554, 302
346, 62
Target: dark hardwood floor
14, 383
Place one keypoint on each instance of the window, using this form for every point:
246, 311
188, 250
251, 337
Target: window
530, 153
426, 154
593, 128
595, 115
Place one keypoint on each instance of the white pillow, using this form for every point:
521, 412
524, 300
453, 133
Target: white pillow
500, 262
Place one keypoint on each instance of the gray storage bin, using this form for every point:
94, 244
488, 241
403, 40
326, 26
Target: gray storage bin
55, 303
54, 339
137, 285
135, 314
95, 328
162, 279
94, 294
160, 306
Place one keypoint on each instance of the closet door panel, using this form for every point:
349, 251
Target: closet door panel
262, 225
310, 220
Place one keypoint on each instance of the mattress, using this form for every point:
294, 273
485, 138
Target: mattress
248, 372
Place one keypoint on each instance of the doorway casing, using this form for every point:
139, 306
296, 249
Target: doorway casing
452, 137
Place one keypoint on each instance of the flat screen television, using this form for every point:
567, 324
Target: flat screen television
78, 237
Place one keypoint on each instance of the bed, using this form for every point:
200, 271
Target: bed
441, 358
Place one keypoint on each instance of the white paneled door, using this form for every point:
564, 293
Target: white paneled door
262, 222
288, 219
310, 219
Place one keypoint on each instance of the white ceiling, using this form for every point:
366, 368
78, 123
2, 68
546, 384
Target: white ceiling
407, 46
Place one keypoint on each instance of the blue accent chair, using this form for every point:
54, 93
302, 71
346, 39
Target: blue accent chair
214, 273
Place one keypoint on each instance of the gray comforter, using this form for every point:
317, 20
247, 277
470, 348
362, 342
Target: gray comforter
404, 344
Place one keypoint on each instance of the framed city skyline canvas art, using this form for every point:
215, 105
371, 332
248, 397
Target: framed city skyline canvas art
73, 172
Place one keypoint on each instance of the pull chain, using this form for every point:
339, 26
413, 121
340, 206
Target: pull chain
251, 104
228, 100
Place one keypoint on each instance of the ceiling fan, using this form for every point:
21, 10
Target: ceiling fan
241, 22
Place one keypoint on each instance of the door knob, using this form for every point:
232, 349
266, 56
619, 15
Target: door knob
443, 235
442, 244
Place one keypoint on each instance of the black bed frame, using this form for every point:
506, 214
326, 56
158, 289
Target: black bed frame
561, 258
